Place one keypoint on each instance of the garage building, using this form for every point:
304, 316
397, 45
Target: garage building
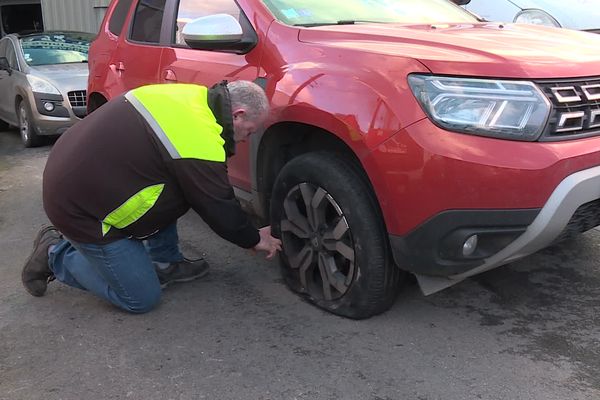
37, 15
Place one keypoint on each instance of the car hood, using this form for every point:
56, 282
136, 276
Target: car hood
481, 49
575, 14
66, 77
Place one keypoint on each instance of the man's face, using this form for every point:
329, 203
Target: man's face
242, 127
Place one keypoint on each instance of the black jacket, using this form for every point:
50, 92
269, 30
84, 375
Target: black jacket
113, 153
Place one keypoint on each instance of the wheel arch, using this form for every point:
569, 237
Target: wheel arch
286, 140
18, 99
95, 101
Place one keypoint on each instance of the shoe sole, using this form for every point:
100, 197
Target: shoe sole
183, 280
36, 243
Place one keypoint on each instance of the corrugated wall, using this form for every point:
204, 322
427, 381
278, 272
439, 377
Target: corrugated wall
73, 15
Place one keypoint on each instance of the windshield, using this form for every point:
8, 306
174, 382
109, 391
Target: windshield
332, 12
56, 48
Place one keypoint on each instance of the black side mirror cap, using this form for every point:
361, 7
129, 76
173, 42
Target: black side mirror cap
461, 2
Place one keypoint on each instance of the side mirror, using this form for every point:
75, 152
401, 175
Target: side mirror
5, 66
461, 2
218, 31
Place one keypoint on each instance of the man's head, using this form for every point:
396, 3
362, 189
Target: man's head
249, 108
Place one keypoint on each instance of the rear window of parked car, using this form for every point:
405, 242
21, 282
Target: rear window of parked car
147, 21
117, 19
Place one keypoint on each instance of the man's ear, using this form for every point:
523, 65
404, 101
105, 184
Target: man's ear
239, 113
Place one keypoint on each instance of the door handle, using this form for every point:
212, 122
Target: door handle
117, 68
169, 76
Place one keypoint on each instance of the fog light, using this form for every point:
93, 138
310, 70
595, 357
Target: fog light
470, 245
48, 106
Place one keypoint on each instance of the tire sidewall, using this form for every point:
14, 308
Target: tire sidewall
32, 140
354, 196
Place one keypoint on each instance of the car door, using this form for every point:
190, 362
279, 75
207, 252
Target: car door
180, 63
7, 82
136, 59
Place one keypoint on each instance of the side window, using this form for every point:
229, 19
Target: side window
117, 19
189, 10
11, 55
147, 21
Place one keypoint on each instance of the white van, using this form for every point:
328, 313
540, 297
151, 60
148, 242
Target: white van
573, 14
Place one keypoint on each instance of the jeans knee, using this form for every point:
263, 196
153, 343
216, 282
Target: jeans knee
144, 304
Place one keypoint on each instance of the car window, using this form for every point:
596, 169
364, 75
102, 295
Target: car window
11, 55
3, 47
331, 12
56, 48
117, 19
189, 10
147, 21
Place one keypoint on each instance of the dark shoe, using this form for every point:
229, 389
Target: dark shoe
36, 273
183, 271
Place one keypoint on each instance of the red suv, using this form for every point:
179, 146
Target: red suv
406, 135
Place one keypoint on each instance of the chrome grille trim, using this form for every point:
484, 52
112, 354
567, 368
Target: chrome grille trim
572, 121
77, 98
575, 109
591, 96
595, 119
566, 94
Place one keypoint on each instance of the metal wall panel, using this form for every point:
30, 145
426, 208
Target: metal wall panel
73, 15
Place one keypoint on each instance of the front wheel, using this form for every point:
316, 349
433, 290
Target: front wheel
27, 128
336, 251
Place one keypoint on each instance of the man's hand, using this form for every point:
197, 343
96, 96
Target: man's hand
267, 242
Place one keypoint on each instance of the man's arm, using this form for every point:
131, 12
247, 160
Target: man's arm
207, 189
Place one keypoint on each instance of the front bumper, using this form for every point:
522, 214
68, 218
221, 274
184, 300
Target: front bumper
433, 251
59, 120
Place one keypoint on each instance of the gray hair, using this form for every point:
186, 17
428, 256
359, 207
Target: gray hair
250, 97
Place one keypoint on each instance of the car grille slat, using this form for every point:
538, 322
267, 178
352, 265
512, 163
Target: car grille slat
77, 98
575, 108
585, 218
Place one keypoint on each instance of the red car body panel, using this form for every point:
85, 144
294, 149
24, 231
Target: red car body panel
351, 81
426, 165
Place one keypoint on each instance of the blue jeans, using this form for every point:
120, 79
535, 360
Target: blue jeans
121, 272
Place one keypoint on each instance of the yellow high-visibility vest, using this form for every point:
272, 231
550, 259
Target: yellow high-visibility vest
181, 119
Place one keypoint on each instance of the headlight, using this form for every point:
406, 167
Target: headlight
40, 85
537, 17
503, 109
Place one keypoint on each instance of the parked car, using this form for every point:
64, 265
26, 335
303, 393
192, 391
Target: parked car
575, 14
43, 82
406, 136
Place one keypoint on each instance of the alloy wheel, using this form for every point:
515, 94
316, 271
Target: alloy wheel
318, 242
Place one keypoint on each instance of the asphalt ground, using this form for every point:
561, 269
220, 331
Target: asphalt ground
529, 330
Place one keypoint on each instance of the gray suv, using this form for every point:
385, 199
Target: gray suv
43, 80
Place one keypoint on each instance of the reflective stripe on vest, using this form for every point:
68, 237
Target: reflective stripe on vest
133, 209
181, 119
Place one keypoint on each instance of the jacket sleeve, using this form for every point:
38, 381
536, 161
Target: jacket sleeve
206, 188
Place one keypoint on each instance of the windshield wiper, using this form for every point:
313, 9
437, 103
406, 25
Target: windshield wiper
341, 22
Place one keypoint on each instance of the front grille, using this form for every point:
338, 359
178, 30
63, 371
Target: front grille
77, 98
585, 218
575, 108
